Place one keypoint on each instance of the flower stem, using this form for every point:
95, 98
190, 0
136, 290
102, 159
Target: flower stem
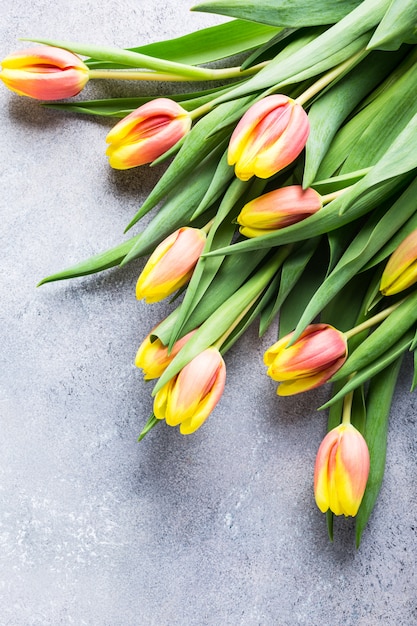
328, 78
379, 317
150, 75
347, 408
329, 197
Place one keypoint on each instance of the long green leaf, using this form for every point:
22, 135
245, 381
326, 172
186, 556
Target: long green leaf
325, 220
329, 111
221, 320
295, 13
205, 45
372, 369
380, 227
390, 331
397, 25
334, 41
378, 405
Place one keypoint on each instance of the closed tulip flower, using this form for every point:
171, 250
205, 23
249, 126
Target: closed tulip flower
171, 264
190, 396
401, 269
341, 471
269, 136
44, 72
153, 357
145, 134
277, 209
310, 362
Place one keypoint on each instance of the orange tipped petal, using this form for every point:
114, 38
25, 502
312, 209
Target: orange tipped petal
278, 209
45, 73
170, 265
270, 135
311, 361
145, 134
341, 471
189, 398
401, 269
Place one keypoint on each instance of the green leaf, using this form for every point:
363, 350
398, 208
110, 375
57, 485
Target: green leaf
292, 269
398, 159
120, 107
330, 110
378, 405
214, 327
297, 299
382, 338
152, 421
221, 231
380, 227
222, 176
325, 220
397, 25
372, 369
335, 45
206, 45
285, 13
414, 381
398, 110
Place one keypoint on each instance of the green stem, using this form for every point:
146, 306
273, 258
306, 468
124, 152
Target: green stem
347, 408
179, 75
328, 78
379, 317
329, 197
220, 341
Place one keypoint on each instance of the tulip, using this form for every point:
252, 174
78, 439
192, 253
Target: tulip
190, 396
277, 209
171, 264
341, 471
310, 362
269, 136
401, 269
145, 134
45, 73
153, 357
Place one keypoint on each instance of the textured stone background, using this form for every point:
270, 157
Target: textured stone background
219, 528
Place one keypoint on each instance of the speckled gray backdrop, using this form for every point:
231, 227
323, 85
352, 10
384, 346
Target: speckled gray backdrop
219, 528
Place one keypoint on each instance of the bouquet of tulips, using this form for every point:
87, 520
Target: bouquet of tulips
290, 192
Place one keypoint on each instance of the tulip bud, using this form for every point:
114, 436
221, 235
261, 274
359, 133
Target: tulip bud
190, 396
341, 471
270, 136
45, 73
153, 356
310, 362
401, 269
171, 264
277, 209
145, 134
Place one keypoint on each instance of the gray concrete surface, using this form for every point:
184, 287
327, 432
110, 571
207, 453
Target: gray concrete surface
219, 528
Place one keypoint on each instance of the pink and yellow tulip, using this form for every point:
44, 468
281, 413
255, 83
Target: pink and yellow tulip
153, 357
145, 134
341, 471
190, 396
44, 72
270, 136
277, 209
310, 362
401, 269
171, 264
